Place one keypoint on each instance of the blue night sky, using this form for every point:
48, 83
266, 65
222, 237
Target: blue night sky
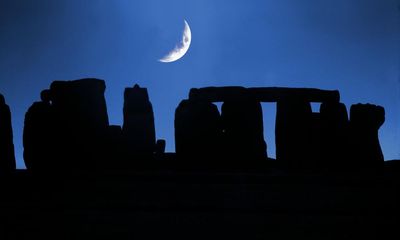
349, 45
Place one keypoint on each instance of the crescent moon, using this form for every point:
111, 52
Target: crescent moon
180, 49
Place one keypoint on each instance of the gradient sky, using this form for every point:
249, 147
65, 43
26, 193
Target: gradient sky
350, 45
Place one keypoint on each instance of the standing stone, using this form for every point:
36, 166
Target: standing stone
243, 130
293, 132
365, 121
39, 137
138, 129
197, 130
81, 103
82, 121
334, 136
7, 157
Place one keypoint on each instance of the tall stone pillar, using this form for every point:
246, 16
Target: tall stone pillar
365, 121
334, 136
81, 121
7, 157
197, 131
138, 128
243, 130
40, 137
293, 132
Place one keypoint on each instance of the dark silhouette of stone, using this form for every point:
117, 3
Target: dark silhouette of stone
293, 132
82, 114
275, 94
68, 129
7, 157
197, 131
365, 121
138, 129
45, 96
243, 130
81, 103
219, 94
298, 129
263, 94
334, 136
39, 137
117, 203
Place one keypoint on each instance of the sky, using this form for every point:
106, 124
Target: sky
349, 45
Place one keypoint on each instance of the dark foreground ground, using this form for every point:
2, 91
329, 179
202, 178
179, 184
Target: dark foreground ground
170, 204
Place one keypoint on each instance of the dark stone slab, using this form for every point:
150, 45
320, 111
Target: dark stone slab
263, 94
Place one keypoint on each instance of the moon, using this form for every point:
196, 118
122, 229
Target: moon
180, 49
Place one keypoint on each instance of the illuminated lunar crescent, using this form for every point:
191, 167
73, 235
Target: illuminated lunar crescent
180, 49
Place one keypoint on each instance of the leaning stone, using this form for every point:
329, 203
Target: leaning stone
7, 157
